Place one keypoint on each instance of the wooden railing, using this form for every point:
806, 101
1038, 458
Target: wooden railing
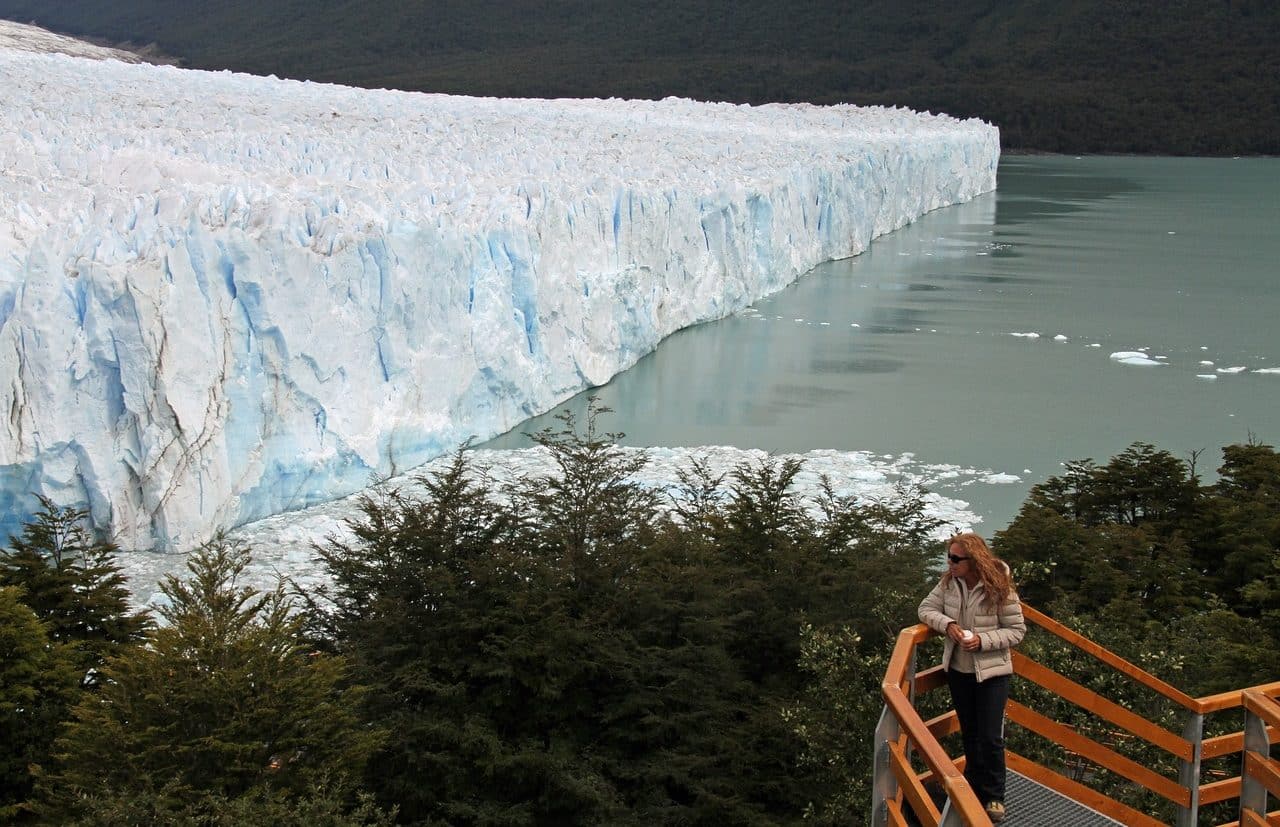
904, 739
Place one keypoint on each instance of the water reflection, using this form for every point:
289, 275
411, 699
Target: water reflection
1032, 189
865, 364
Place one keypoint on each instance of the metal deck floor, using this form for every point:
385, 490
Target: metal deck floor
1033, 805
1029, 804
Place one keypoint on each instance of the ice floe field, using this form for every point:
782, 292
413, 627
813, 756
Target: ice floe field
284, 545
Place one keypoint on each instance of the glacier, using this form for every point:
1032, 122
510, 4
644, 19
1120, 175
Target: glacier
224, 297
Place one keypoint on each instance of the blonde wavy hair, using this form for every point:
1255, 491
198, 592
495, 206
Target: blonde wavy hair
992, 571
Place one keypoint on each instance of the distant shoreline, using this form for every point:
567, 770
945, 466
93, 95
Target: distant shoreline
1044, 153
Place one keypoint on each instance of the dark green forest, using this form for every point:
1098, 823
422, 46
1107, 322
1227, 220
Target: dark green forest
1178, 77
578, 649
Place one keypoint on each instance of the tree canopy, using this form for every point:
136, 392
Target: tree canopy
224, 703
1150, 76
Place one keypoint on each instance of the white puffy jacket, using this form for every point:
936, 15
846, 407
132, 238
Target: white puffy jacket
998, 630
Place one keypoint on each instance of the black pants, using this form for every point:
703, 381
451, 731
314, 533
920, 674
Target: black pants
980, 708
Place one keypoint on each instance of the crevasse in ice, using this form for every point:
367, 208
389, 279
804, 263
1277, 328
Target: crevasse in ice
224, 297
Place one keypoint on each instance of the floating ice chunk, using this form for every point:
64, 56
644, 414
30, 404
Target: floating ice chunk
1001, 479
1233, 369
1267, 370
1133, 357
1095, 344
1026, 335
1206, 362
1060, 338
1206, 376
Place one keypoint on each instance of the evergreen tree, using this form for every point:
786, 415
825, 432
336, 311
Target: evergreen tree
1116, 533
842, 698
590, 513
74, 585
1240, 549
38, 681
1246, 547
323, 804
223, 701
459, 635
565, 652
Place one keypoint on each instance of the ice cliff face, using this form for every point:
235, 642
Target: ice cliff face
224, 296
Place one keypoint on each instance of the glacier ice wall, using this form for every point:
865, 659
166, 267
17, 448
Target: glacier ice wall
224, 297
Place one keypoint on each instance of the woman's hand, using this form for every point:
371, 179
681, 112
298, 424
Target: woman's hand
969, 644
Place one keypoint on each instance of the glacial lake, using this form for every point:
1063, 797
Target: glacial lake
922, 344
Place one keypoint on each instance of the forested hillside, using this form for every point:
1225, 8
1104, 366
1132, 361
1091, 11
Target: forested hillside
1164, 76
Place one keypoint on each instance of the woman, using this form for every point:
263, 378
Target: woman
975, 606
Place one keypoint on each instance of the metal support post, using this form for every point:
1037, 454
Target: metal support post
883, 785
950, 818
1189, 771
1252, 794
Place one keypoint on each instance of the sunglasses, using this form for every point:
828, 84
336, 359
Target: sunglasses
956, 559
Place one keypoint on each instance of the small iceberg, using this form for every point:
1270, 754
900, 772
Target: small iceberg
1133, 357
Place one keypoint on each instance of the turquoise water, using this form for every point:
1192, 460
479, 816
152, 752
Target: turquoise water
910, 347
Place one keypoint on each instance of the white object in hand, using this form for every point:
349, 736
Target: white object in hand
967, 634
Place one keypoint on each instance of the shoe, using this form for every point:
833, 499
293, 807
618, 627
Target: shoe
995, 811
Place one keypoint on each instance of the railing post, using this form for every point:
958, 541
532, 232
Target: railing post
1189, 771
883, 785
1252, 794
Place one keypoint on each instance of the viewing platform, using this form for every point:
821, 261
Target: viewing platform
1114, 766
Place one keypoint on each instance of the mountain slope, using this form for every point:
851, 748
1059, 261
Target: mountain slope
1177, 77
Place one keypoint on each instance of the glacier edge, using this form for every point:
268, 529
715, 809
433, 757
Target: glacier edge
223, 297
